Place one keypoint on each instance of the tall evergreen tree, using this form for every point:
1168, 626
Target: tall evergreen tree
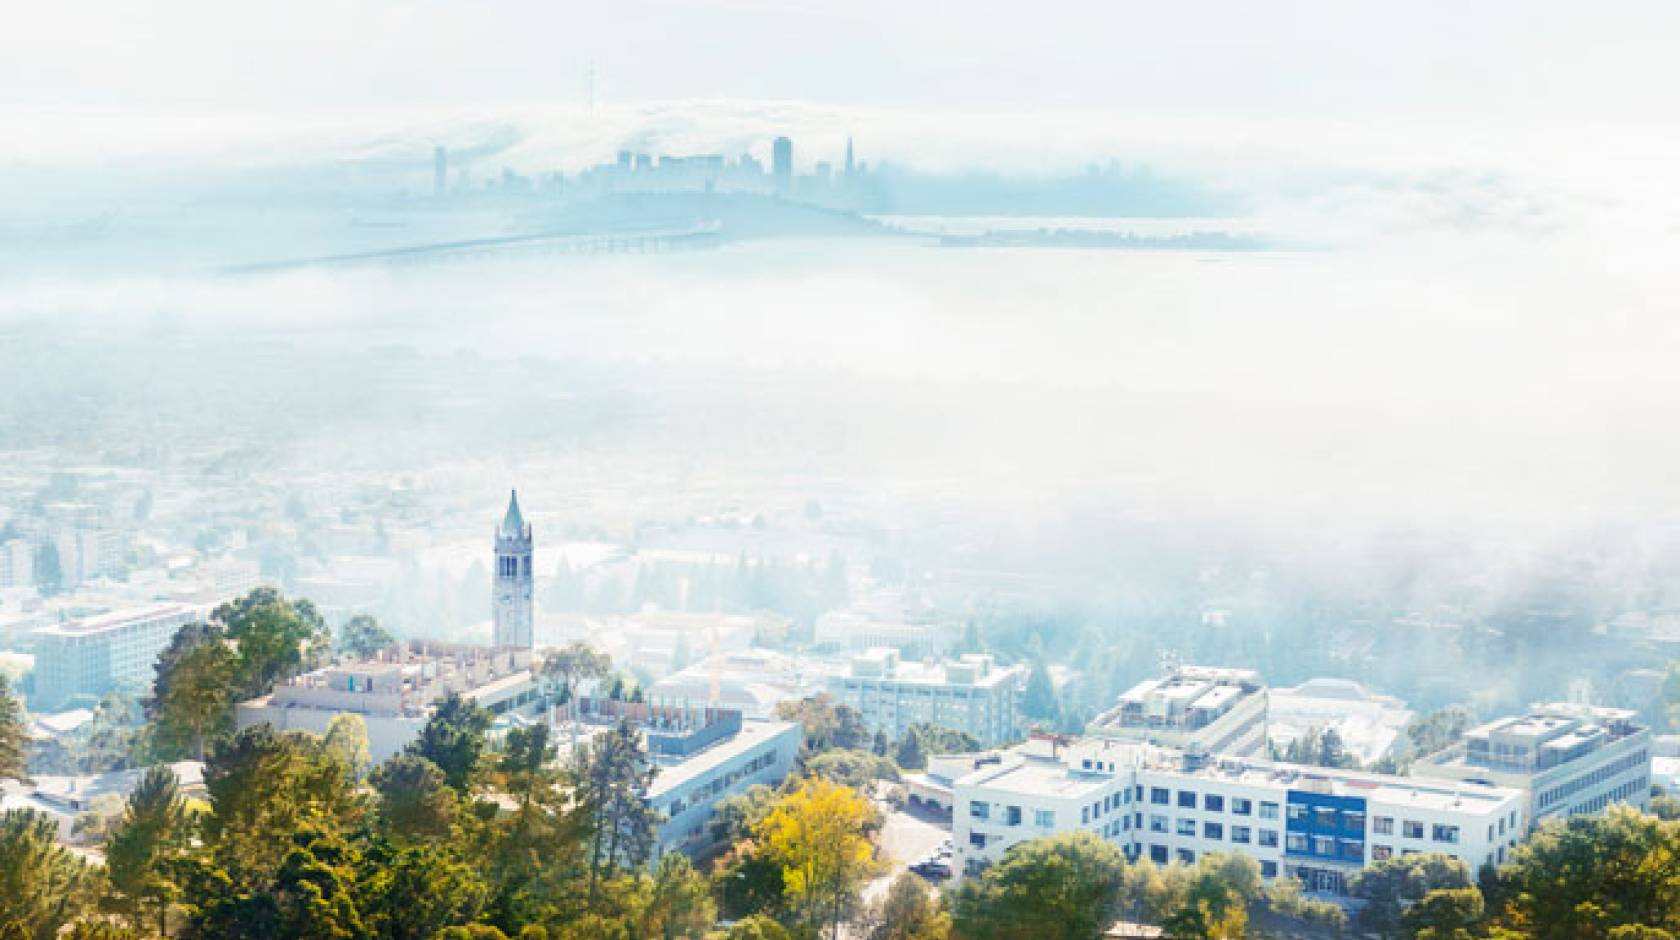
14, 735
153, 828
611, 787
453, 739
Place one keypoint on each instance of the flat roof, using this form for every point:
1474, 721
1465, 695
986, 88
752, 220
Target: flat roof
115, 620
751, 735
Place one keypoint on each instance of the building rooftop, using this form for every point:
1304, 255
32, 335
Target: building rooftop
1186, 699
970, 669
1547, 736
113, 621
1072, 769
751, 735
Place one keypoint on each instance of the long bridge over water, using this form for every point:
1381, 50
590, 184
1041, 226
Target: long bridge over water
675, 238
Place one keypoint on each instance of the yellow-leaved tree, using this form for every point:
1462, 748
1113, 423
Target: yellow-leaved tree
819, 835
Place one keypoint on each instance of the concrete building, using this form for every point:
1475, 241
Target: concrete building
395, 695
81, 660
971, 694
700, 766
1198, 708
751, 680
701, 755
1310, 823
1369, 724
1569, 759
511, 591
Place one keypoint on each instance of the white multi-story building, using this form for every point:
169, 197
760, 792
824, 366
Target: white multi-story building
1310, 823
971, 694
1198, 708
117, 651
1570, 759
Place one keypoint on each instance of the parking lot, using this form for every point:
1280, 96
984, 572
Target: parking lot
907, 836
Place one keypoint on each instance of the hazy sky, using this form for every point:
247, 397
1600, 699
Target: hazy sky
1285, 58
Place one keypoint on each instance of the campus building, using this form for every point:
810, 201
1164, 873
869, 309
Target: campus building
1311, 823
1197, 708
1569, 759
971, 694
702, 754
395, 694
78, 661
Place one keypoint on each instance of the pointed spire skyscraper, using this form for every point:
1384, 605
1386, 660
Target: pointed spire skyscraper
510, 597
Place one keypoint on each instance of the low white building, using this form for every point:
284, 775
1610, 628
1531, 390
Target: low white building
1570, 759
395, 696
1200, 708
971, 694
1310, 823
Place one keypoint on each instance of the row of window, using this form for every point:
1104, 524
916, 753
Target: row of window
1554, 795
1413, 829
1209, 802
1327, 817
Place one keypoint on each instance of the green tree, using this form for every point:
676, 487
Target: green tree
42, 885
113, 735
1039, 699
154, 830
908, 912
411, 893
276, 638
1066, 887
856, 769
265, 787
924, 740
191, 702
363, 637
1445, 914
346, 741
679, 902
1583, 876
610, 787
416, 802
1389, 885
1439, 729
757, 927
827, 723
453, 739
14, 735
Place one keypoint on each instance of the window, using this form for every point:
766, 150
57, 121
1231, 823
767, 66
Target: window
1160, 796
1044, 818
1381, 852
1012, 816
1186, 827
1268, 838
1297, 812
1445, 833
1268, 810
1297, 842
979, 810
1186, 856
977, 839
1158, 854
1411, 829
1213, 803
1353, 819
1084, 815
1382, 825
1213, 830
1324, 845
1323, 817
1242, 806
1242, 835
1268, 869
1187, 799
1157, 824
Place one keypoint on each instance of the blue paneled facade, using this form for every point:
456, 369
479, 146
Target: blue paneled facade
1322, 826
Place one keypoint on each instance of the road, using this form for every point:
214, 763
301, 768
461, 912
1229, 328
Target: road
906, 836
